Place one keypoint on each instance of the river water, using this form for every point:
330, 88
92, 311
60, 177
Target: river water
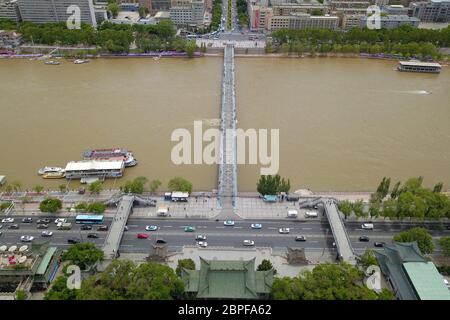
344, 123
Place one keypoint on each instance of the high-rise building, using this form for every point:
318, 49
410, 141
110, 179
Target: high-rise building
44, 11
391, 21
9, 10
432, 11
190, 13
303, 21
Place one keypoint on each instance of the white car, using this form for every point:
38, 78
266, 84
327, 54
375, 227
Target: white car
256, 226
151, 228
228, 223
46, 233
200, 237
248, 243
26, 238
284, 230
202, 244
60, 220
367, 226
8, 220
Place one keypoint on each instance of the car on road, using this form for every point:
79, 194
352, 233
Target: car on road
202, 244
200, 237
378, 244
248, 243
367, 226
60, 220
46, 233
161, 241
256, 226
92, 236
228, 223
284, 230
189, 229
73, 240
1, 226
42, 226
26, 238
86, 227
300, 238
102, 228
364, 239
151, 228
8, 220
27, 220
13, 226
142, 236
43, 221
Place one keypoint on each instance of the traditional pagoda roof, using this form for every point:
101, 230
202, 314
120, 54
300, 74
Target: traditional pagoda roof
227, 280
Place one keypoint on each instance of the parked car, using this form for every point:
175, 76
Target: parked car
26, 238
284, 230
228, 223
200, 237
42, 226
161, 241
1, 226
142, 236
27, 220
367, 226
46, 233
364, 239
248, 243
93, 235
311, 214
86, 227
73, 240
60, 220
102, 228
13, 226
300, 238
43, 221
151, 228
256, 226
379, 244
8, 220
189, 229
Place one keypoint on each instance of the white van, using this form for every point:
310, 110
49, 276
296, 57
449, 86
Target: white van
367, 226
292, 214
311, 214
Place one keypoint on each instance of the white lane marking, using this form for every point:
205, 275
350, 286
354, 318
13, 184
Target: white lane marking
220, 227
167, 226
272, 228
305, 228
238, 227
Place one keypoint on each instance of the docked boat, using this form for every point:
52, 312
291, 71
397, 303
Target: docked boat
2, 180
80, 61
96, 168
45, 170
53, 175
52, 62
419, 66
105, 154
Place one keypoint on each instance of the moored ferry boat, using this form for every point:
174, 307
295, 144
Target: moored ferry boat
45, 170
98, 168
418, 66
53, 175
52, 62
80, 61
128, 157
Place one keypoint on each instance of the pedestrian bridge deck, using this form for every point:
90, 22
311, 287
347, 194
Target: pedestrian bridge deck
115, 233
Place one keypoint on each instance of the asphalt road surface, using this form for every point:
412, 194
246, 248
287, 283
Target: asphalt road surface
317, 232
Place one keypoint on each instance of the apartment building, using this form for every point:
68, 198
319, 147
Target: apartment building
393, 21
259, 16
303, 21
288, 8
9, 9
188, 13
349, 21
431, 11
44, 11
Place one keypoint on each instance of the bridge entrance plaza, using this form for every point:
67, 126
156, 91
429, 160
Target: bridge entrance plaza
116, 229
227, 184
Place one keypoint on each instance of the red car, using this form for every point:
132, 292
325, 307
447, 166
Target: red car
142, 236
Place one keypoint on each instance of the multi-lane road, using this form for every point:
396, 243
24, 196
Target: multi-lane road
317, 232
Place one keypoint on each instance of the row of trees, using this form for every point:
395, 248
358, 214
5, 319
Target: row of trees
327, 282
139, 185
216, 14
272, 185
242, 12
94, 207
408, 200
404, 40
108, 37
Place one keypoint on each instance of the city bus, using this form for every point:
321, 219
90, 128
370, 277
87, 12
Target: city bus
89, 219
